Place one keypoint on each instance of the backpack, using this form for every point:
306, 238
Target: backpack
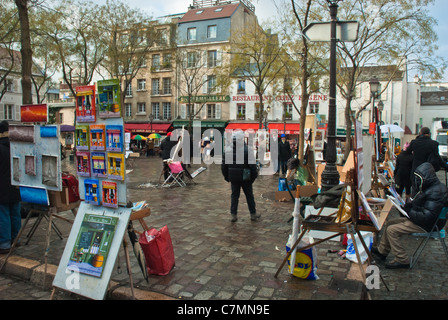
70, 181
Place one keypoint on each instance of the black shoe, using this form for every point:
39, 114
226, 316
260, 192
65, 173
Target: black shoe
254, 216
234, 218
397, 265
378, 254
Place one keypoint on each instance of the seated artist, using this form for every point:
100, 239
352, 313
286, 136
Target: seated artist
423, 210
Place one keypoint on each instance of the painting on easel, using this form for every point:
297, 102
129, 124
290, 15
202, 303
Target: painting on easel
91, 249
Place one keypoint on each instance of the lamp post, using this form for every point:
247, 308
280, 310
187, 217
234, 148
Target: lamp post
374, 86
265, 114
380, 109
151, 118
330, 175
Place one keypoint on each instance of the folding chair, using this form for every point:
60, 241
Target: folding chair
434, 233
175, 175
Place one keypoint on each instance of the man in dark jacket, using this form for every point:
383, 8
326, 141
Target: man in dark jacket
10, 218
422, 147
423, 211
240, 175
284, 154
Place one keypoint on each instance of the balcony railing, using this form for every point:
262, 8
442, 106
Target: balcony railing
214, 3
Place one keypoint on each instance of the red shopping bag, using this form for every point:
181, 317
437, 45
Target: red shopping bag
158, 250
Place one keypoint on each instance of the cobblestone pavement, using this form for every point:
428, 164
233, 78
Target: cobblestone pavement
219, 260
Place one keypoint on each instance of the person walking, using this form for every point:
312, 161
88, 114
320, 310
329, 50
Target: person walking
240, 175
402, 168
10, 218
284, 154
423, 211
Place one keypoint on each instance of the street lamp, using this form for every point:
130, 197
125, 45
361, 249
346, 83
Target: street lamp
330, 175
265, 114
151, 118
380, 109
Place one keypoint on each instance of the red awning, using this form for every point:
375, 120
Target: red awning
291, 128
146, 127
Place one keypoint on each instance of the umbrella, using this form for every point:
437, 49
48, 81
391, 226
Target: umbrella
138, 137
154, 136
390, 128
137, 250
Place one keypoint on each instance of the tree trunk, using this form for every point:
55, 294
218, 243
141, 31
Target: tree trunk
26, 52
348, 127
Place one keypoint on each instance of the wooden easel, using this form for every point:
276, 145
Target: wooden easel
327, 223
58, 203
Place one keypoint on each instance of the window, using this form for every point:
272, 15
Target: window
156, 61
61, 118
141, 107
9, 85
166, 110
314, 107
211, 31
241, 87
212, 58
287, 108
241, 109
191, 34
192, 59
166, 85
141, 84
128, 109
167, 61
155, 110
155, 86
129, 90
211, 84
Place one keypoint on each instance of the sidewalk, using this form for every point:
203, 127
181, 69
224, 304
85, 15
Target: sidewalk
220, 260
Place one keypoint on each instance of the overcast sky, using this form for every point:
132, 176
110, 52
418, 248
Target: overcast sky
264, 9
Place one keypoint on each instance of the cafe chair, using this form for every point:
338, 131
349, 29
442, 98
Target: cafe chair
435, 233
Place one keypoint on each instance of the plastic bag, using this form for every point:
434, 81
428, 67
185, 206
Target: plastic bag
158, 251
305, 266
351, 253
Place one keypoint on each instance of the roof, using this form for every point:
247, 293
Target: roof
382, 73
434, 98
209, 13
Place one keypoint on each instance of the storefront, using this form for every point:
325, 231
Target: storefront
146, 128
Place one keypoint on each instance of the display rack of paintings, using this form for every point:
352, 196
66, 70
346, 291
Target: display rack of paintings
85, 104
82, 137
97, 137
109, 98
83, 163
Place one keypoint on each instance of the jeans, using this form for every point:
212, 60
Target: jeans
10, 223
248, 191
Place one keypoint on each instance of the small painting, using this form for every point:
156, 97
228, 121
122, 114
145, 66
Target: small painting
21, 133
34, 113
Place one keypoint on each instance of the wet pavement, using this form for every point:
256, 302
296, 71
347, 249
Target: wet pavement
216, 259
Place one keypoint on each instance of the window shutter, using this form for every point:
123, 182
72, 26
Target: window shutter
17, 116
218, 111
205, 53
204, 112
2, 111
204, 84
219, 58
183, 111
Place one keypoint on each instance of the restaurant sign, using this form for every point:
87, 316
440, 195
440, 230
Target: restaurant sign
203, 99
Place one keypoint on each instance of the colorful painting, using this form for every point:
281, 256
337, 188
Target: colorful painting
82, 137
115, 166
93, 242
48, 132
110, 196
34, 195
34, 113
99, 164
114, 138
92, 190
21, 133
97, 137
109, 98
85, 104
83, 163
